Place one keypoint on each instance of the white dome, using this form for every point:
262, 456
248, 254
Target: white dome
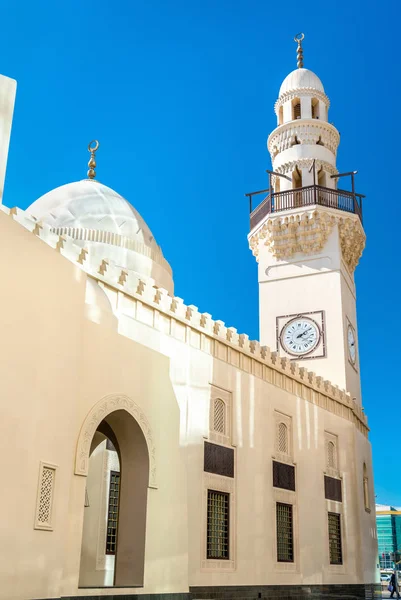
299, 79
98, 218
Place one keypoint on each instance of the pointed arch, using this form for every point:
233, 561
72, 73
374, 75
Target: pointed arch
100, 411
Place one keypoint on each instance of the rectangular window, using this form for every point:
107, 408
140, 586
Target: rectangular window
332, 489
283, 476
112, 517
218, 460
336, 555
218, 513
285, 539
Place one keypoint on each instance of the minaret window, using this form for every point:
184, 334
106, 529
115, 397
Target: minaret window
296, 179
315, 108
366, 488
281, 115
296, 109
321, 178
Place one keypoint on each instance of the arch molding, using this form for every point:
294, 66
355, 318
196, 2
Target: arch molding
100, 411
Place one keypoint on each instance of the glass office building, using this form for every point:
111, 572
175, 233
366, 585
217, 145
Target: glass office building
388, 520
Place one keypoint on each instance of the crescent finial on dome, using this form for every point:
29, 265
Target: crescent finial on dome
92, 147
300, 53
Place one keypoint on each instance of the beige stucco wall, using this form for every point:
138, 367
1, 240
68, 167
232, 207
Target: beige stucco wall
54, 367
60, 357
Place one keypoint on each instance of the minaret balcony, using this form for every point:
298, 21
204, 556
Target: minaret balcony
311, 195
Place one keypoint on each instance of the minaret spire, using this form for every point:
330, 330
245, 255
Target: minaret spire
300, 53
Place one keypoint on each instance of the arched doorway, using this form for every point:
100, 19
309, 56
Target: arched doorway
114, 529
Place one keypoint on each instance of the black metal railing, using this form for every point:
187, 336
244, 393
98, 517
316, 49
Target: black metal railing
306, 196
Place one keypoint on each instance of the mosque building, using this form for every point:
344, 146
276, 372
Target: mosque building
157, 452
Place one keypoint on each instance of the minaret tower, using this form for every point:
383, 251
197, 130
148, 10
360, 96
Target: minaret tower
307, 237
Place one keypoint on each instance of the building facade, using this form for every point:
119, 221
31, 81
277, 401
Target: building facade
388, 521
157, 451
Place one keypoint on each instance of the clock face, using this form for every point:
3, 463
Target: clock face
300, 336
351, 344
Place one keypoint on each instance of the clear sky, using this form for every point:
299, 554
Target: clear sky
180, 94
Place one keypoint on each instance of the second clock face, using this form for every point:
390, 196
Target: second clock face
351, 344
300, 336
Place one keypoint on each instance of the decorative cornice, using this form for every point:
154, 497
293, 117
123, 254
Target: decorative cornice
296, 93
303, 131
307, 232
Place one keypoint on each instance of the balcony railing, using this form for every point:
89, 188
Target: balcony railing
307, 196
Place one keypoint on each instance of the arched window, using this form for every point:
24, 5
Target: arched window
315, 108
296, 109
282, 438
366, 487
281, 115
219, 416
331, 455
321, 178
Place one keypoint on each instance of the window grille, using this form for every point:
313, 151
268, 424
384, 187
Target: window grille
297, 110
44, 502
282, 441
45, 499
218, 512
332, 489
219, 416
336, 555
283, 476
331, 455
112, 517
285, 540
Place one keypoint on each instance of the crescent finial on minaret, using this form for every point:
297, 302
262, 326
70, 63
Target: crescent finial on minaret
300, 53
92, 147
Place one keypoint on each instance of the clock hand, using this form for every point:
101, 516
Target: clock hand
302, 334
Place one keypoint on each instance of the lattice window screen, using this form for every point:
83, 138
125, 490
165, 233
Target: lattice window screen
219, 416
282, 438
44, 502
331, 455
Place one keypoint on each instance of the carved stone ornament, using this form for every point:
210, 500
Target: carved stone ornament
306, 131
307, 233
353, 239
305, 163
100, 411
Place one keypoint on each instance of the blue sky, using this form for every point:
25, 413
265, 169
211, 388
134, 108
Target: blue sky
180, 95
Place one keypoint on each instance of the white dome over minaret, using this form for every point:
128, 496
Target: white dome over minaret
108, 226
301, 79
303, 136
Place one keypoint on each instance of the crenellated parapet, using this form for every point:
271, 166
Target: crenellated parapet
156, 308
